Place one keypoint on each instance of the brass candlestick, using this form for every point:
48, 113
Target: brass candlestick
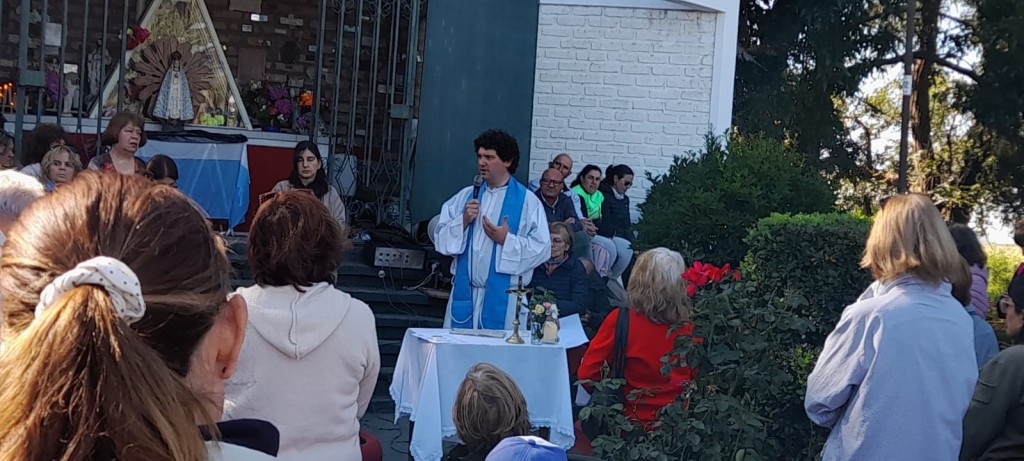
519, 292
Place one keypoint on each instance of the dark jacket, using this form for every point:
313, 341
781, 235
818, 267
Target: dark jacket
615, 220
462, 452
994, 423
599, 304
560, 211
253, 434
569, 283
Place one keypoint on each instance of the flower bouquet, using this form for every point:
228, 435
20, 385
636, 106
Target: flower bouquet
543, 318
137, 35
271, 106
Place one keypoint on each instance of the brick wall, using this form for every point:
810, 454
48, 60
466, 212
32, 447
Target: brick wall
621, 85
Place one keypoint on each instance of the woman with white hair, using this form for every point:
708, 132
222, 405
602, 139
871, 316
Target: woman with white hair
896, 375
17, 192
657, 300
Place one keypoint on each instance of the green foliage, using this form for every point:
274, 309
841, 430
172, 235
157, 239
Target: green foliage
1002, 262
816, 256
705, 203
997, 98
746, 401
797, 57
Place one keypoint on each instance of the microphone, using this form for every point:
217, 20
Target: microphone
477, 182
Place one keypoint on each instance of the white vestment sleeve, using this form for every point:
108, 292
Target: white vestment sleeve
531, 247
450, 234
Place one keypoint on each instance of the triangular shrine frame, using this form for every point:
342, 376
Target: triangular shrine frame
218, 54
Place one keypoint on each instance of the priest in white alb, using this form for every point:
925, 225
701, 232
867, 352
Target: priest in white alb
496, 232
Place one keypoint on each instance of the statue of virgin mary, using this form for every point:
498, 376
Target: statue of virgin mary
174, 101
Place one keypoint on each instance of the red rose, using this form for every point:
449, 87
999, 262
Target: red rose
736, 275
691, 290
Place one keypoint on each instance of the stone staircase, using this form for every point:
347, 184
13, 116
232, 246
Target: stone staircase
389, 294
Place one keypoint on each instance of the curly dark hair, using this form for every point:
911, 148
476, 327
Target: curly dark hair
38, 142
502, 143
295, 241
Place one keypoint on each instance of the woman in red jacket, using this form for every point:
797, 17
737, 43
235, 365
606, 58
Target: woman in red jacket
657, 300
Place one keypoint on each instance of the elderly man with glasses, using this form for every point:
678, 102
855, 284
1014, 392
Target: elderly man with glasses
558, 207
563, 164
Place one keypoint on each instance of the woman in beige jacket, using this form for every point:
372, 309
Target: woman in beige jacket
308, 173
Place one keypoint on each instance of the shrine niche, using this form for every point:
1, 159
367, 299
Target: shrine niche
180, 74
169, 76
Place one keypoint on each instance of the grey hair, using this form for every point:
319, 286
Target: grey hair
17, 192
656, 287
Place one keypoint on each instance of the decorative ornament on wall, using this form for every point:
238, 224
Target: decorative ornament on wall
183, 26
170, 70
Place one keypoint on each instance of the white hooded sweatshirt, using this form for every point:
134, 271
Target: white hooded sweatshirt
308, 365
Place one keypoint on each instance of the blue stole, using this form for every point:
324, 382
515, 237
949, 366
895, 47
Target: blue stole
495, 299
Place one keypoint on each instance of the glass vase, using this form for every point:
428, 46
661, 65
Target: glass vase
536, 329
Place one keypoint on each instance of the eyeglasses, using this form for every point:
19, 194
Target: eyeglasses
628, 184
550, 182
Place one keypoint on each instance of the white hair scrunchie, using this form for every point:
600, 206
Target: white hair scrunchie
115, 277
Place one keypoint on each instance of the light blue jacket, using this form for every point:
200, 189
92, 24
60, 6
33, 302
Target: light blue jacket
896, 375
986, 345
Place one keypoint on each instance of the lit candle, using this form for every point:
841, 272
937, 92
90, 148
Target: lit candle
232, 115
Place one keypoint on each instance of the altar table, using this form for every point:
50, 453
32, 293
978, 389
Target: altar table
432, 364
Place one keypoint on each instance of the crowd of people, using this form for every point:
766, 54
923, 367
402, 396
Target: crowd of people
126, 343
47, 155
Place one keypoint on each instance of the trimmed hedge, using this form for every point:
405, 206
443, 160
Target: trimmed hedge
816, 256
706, 201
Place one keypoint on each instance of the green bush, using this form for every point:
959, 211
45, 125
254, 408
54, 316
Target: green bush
816, 256
746, 401
706, 201
1002, 262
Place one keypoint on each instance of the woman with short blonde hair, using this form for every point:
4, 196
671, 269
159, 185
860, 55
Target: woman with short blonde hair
913, 240
657, 301
488, 408
657, 289
563, 275
59, 166
903, 354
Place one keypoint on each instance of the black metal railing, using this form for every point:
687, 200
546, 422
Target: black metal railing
369, 125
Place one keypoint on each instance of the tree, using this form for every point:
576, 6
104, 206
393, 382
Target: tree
997, 99
796, 57
802, 63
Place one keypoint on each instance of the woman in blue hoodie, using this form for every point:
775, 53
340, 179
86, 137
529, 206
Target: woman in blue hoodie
896, 375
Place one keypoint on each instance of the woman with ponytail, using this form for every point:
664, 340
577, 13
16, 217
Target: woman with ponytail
615, 222
118, 333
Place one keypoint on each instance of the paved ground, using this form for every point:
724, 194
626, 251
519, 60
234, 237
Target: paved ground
394, 439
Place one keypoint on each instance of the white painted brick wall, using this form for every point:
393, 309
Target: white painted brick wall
621, 85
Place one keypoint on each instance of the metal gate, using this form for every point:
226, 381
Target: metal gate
365, 88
